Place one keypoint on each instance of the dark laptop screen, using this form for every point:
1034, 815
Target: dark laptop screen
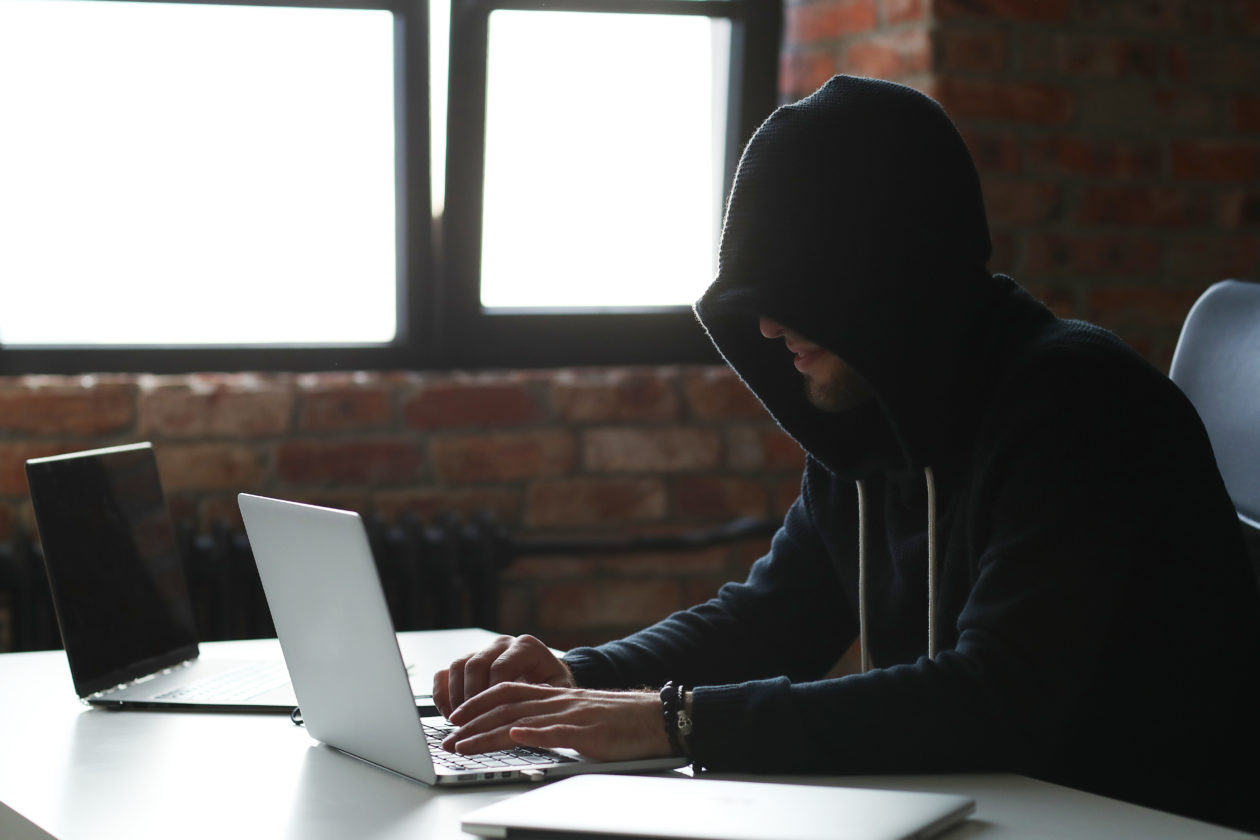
116, 578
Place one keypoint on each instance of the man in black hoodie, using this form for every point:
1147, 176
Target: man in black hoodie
1012, 522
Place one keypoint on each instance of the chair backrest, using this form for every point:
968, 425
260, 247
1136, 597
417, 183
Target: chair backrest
1217, 365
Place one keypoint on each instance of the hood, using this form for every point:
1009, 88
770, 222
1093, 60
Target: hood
856, 219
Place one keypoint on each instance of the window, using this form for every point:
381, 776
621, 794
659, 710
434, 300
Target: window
586, 172
243, 186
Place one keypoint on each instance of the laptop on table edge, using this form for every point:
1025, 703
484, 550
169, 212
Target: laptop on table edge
681, 808
120, 591
339, 643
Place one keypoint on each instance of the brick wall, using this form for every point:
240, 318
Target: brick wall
565, 452
1119, 146
1118, 140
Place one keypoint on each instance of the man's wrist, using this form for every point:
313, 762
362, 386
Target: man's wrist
676, 712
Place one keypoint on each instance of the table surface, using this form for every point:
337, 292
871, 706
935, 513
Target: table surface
71, 772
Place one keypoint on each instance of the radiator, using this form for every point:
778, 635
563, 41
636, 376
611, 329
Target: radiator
440, 573
436, 573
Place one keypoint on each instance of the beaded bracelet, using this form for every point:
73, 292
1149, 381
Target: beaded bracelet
677, 721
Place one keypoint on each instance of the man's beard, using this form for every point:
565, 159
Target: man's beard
835, 397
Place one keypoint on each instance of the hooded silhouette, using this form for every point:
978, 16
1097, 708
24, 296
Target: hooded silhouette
1024, 530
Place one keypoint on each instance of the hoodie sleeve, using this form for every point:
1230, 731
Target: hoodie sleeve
1057, 634
789, 617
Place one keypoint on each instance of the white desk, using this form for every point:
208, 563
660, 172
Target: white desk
86, 773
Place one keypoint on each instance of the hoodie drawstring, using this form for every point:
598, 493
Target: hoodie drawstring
930, 479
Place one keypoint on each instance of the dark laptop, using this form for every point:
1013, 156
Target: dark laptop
119, 589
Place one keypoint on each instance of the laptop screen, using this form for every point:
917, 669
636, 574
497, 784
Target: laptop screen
117, 582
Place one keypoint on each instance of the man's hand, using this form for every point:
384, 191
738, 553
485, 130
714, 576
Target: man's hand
506, 659
606, 725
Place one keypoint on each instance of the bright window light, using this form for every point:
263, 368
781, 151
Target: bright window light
605, 136
196, 174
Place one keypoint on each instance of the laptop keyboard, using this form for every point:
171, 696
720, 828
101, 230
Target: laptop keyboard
513, 759
238, 684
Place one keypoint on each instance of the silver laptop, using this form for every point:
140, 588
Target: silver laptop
119, 590
339, 642
680, 808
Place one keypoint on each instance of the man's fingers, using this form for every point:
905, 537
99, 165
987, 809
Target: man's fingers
496, 701
529, 660
455, 683
441, 693
465, 676
548, 736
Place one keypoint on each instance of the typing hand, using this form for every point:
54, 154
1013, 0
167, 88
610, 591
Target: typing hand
606, 725
506, 659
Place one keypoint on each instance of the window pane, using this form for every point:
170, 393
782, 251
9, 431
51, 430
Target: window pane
195, 174
604, 158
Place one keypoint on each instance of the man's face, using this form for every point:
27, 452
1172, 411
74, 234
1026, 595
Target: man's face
830, 384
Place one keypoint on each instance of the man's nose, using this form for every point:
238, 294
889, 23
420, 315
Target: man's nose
770, 329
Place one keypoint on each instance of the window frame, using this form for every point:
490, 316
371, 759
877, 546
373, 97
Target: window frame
413, 236
440, 324
473, 337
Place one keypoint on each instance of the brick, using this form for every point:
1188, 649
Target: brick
1216, 160
973, 51
602, 603
888, 56
374, 462
1245, 114
1155, 15
1093, 57
1022, 202
802, 71
1140, 205
209, 466
1141, 305
465, 459
1092, 255
551, 567
13, 457
762, 449
715, 393
1141, 111
504, 504
1240, 208
786, 493
593, 501
193, 409
673, 449
1066, 155
707, 561
903, 11
1213, 65
1014, 102
516, 611
345, 409
994, 152
615, 395
1242, 16
65, 409
718, 498
484, 403
1209, 257
1040, 11
7, 522
823, 21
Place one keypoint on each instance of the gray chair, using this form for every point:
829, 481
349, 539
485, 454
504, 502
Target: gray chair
1217, 365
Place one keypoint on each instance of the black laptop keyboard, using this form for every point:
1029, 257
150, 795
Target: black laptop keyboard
513, 759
